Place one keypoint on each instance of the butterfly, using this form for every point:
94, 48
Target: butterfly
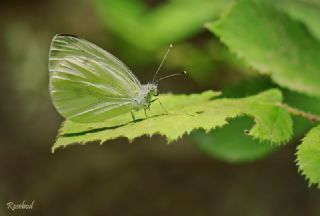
88, 84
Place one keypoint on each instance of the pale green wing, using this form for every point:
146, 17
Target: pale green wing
87, 83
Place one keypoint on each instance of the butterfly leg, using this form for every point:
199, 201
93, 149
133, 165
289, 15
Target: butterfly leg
160, 105
145, 111
163, 107
133, 118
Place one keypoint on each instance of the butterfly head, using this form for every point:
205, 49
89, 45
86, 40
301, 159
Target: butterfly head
145, 97
154, 90
150, 89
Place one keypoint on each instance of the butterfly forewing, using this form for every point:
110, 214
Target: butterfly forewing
87, 83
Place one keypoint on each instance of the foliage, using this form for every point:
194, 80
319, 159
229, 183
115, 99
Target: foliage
221, 142
165, 24
272, 43
276, 44
187, 113
308, 13
276, 38
308, 156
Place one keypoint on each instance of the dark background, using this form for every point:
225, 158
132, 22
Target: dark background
147, 177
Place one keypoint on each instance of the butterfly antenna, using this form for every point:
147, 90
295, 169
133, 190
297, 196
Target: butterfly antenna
164, 58
171, 75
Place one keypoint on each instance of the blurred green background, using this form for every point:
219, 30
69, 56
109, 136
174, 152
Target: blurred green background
221, 173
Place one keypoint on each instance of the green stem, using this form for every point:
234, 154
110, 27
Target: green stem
297, 112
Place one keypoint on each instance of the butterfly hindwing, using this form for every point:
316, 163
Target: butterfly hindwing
87, 83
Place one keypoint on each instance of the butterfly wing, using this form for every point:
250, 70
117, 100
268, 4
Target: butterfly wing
88, 84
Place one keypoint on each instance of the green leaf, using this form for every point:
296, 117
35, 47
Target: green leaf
230, 143
308, 13
308, 156
148, 28
221, 144
188, 113
272, 43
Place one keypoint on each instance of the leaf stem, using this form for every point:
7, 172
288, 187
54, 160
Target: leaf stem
297, 112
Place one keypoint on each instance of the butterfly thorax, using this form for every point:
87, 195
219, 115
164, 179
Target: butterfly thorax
144, 98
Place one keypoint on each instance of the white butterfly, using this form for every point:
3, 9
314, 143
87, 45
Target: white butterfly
88, 84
